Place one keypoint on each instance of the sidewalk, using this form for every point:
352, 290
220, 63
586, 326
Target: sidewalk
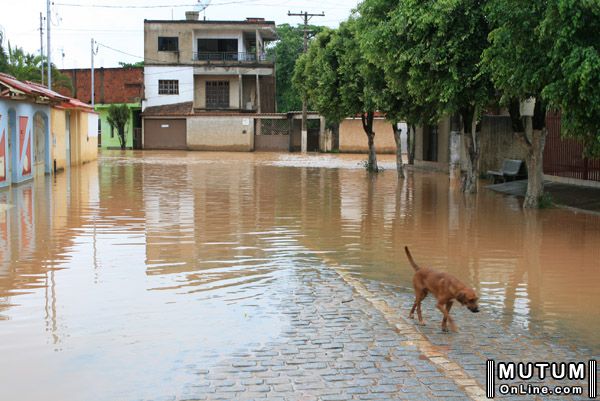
348, 339
574, 196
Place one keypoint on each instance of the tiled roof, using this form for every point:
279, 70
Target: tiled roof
175, 109
17, 87
37, 93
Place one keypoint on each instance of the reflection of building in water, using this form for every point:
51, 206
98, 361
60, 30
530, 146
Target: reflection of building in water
42, 220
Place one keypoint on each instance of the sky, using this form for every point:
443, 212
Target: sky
117, 25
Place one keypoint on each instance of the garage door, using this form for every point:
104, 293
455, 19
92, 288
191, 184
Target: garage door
165, 134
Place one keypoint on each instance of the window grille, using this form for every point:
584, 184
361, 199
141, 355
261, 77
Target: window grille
168, 87
217, 94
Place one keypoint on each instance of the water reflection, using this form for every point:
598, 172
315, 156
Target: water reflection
133, 272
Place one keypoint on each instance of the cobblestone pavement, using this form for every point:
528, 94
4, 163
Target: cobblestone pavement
346, 343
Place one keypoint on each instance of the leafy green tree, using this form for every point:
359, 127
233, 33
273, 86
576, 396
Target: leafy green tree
118, 116
381, 42
286, 52
27, 67
3, 54
137, 64
434, 56
569, 31
340, 82
519, 62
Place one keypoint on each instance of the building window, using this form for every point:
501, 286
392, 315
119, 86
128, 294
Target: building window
168, 43
168, 87
217, 94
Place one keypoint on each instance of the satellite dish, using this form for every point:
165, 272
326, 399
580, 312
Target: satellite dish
202, 4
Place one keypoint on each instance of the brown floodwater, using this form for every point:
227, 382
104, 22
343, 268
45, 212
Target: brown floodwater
120, 278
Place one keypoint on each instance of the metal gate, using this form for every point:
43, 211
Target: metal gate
272, 134
563, 156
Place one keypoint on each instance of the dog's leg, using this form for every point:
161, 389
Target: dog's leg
419, 315
411, 315
419, 296
441, 305
449, 318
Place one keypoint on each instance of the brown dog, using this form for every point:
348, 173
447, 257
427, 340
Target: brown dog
444, 287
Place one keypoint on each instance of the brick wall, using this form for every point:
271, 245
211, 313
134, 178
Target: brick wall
111, 85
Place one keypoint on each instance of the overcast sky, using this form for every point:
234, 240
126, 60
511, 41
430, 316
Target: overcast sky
75, 22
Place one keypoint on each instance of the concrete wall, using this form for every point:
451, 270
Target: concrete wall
185, 76
498, 142
184, 32
88, 144
200, 89
220, 133
59, 145
354, 140
16, 140
187, 32
83, 148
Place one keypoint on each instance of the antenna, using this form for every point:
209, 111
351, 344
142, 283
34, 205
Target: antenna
203, 4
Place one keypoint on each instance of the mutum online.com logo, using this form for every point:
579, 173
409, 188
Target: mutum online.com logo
540, 378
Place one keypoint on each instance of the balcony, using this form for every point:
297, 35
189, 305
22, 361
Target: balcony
231, 57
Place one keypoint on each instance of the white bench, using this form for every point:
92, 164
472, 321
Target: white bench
510, 170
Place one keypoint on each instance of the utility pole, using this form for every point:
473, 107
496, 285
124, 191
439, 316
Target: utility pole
94, 52
42, 46
307, 17
48, 23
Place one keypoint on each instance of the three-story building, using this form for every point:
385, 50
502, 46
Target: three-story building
204, 81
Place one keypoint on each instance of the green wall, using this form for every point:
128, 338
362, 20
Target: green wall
112, 141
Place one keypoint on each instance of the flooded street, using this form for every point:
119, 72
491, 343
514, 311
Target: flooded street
127, 278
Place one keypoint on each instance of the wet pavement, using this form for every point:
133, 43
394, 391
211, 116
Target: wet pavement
192, 276
577, 197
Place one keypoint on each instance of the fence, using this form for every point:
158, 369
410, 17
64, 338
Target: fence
563, 157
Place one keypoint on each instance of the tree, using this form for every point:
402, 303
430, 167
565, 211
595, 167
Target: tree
118, 116
286, 52
381, 43
27, 67
3, 54
137, 64
518, 61
570, 28
340, 82
435, 49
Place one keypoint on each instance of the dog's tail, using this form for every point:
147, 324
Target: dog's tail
410, 259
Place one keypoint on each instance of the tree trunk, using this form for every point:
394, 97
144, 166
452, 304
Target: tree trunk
411, 139
121, 132
472, 150
469, 184
454, 165
398, 139
367, 121
535, 166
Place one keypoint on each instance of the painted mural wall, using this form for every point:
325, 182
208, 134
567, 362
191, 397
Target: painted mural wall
19, 123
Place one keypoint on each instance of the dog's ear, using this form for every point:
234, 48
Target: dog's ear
461, 297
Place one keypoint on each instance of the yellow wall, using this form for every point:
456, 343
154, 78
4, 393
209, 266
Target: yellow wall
58, 144
354, 140
83, 149
88, 146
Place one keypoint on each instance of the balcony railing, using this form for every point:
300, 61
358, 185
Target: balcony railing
231, 56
